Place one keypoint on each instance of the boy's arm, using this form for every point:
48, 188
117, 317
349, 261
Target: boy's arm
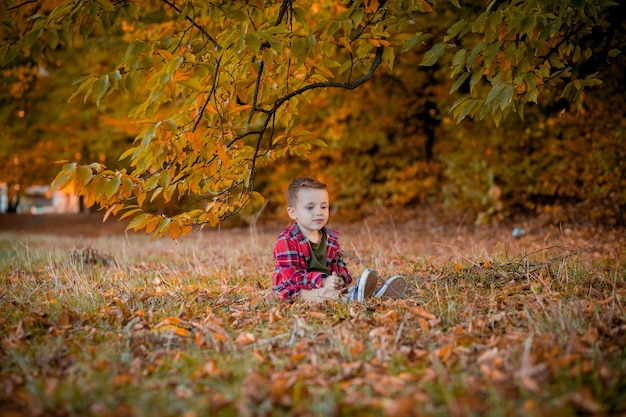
290, 273
336, 263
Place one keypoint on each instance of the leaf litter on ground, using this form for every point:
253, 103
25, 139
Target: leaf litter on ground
489, 324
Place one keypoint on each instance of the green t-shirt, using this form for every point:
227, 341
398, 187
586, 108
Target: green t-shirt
318, 256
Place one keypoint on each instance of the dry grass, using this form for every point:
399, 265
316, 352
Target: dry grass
491, 325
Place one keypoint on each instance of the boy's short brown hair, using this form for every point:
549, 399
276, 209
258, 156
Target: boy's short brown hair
301, 182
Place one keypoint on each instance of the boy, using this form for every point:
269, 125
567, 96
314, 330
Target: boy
308, 255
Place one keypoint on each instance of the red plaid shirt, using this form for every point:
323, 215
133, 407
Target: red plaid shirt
292, 254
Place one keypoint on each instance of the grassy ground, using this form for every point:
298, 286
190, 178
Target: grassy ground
117, 325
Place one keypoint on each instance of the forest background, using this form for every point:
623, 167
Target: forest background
391, 143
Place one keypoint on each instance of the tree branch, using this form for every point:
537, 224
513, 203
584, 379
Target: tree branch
330, 84
17, 6
197, 26
211, 93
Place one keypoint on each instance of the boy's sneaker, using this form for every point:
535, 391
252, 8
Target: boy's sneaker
366, 285
394, 288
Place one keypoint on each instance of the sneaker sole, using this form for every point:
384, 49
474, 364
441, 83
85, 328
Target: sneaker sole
370, 284
396, 286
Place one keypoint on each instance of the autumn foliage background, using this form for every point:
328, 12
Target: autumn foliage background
468, 121
392, 143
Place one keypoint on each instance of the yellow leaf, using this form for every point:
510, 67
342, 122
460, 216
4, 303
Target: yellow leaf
84, 174
139, 221
113, 209
223, 155
165, 54
175, 230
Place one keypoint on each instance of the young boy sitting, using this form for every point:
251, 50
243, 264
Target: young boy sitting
308, 255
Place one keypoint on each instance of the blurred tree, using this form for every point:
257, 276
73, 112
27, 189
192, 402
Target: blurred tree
221, 85
39, 127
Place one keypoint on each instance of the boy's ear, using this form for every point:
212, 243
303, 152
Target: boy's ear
291, 212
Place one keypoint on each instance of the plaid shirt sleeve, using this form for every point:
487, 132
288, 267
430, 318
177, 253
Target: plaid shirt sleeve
292, 254
334, 258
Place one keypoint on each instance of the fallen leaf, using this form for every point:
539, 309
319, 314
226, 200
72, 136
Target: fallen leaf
172, 324
398, 407
420, 312
445, 353
245, 339
317, 315
210, 368
177, 330
220, 337
591, 336
530, 384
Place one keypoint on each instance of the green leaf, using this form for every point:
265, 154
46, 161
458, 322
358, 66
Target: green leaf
495, 91
388, 57
111, 187
464, 107
164, 178
529, 23
106, 5
100, 88
32, 36
432, 56
614, 52
84, 174
458, 62
128, 152
416, 39
490, 53
131, 10
139, 221
475, 52
459, 82
506, 97
455, 29
62, 180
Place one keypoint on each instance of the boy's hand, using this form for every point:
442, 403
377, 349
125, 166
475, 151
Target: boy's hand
333, 281
319, 295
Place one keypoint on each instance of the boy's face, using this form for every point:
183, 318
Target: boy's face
310, 209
